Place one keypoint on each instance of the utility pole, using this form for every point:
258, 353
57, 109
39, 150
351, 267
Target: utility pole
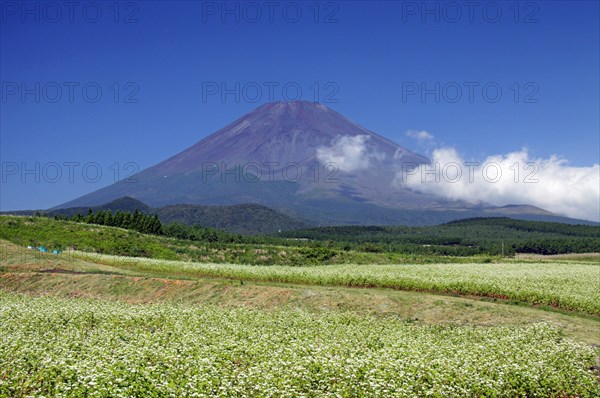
502, 248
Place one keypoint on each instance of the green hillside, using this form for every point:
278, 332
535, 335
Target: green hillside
196, 244
329, 245
209, 245
247, 219
206, 313
464, 237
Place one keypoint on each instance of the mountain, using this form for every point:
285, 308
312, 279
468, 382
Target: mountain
302, 159
125, 204
245, 219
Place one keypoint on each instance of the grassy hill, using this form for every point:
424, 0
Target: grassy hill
51, 233
469, 240
60, 234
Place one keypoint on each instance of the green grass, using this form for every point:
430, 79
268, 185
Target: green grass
77, 347
64, 276
38, 231
570, 286
206, 329
415, 307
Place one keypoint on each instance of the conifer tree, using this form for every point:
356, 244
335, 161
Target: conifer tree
88, 218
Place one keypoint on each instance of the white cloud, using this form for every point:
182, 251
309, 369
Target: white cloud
420, 135
349, 153
513, 178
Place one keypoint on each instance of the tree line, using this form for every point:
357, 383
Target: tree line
151, 224
463, 238
137, 221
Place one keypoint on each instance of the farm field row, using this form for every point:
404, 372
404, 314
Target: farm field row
77, 347
413, 307
569, 286
228, 330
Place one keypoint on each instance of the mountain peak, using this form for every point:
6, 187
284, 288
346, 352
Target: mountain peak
305, 159
325, 156
280, 133
295, 104
302, 111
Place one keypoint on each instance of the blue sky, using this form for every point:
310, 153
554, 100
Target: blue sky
153, 62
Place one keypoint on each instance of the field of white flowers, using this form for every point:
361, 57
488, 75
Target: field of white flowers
76, 347
571, 286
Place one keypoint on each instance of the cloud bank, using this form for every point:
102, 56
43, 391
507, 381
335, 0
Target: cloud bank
349, 153
512, 178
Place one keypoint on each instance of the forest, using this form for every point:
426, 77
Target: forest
474, 236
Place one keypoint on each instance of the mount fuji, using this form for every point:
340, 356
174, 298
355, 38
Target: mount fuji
305, 160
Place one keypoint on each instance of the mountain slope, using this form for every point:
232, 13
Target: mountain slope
278, 154
246, 219
302, 159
